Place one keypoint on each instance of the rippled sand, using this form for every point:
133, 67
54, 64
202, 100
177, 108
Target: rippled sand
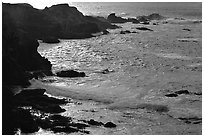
143, 68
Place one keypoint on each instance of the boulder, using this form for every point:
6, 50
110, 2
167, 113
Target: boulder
95, 123
124, 32
133, 20
171, 95
31, 92
186, 29
70, 73
112, 18
110, 125
105, 32
142, 19
51, 109
155, 16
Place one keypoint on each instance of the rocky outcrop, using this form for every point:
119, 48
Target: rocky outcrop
144, 29
58, 21
22, 26
114, 19
140, 19
147, 19
70, 73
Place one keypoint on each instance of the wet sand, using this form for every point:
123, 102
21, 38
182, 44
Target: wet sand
142, 91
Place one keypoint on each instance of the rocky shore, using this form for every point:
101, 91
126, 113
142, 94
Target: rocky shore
23, 25
28, 109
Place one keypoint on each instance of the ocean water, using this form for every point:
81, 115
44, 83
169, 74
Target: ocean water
190, 10
143, 67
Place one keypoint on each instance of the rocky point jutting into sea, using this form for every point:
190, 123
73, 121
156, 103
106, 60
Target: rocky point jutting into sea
67, 73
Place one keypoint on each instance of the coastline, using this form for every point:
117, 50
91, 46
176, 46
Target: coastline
142, 77
143, 93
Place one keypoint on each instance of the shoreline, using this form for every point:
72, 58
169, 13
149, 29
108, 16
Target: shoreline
144, 89
141, 76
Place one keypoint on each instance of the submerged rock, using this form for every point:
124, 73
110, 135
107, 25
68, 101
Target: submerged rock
182, 92
144, 28
125, 32
171, 95
133, 20
110, 125
186, 29
95, 123
66, 129
105, 32
70, 73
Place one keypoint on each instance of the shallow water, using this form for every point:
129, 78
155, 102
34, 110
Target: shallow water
143, 67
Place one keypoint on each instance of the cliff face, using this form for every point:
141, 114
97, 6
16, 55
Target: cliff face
23, 25
19, 54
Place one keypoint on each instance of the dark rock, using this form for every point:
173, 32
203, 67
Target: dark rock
51, 109
144, 28
51, 40
171, 95
106, 71
199, 94
124, 32
70, 73
110, 125
93, 122
114, 19
44, 123
66, 129
105, 32
31, 92
134, 32
142, 19
182, 92
155, 23
186, 29
102, 23
191, 120
39, 74
60, 118
153, 107
78, 125
155, 16
57, 21
197, 21
133, 20
25, 121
